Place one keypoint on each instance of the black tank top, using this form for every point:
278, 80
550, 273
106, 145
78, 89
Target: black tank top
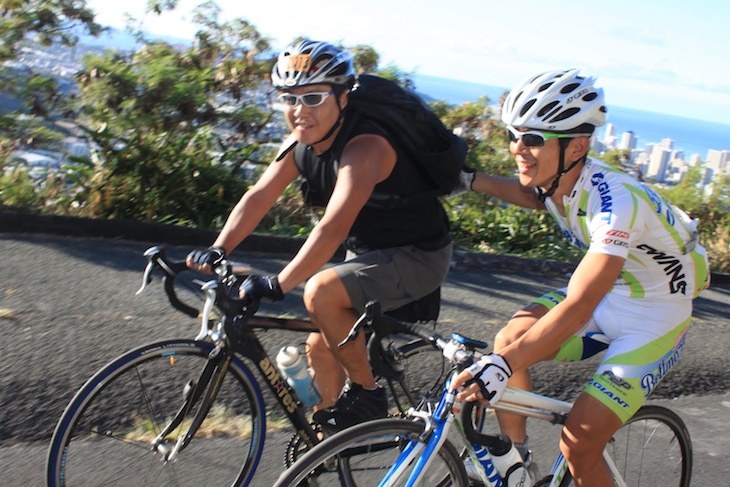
390, 218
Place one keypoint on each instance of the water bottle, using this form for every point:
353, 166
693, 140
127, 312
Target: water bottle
485, 459
294, 368
510, 465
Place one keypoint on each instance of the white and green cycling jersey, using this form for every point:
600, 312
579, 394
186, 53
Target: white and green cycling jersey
610, 212
642, 322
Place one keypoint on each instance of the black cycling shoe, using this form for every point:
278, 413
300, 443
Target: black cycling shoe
355, 405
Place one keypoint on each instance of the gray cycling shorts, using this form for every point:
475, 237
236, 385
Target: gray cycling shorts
394, 276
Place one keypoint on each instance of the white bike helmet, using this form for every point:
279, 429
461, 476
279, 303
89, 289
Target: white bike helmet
556, 101
311, 63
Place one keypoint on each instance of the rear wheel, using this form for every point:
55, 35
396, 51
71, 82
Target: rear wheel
652, 448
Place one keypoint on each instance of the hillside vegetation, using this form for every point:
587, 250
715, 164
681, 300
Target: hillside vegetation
179, 133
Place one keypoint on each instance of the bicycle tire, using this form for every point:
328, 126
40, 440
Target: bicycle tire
362, 454
652, 448
104, 435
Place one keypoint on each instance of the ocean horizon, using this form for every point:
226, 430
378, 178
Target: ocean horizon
689, 135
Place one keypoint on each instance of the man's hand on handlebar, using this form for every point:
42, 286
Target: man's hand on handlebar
257, 288
486, 379
205, 260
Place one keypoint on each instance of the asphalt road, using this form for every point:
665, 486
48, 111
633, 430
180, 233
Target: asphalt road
68, 306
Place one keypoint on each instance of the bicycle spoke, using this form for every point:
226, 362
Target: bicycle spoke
652, 449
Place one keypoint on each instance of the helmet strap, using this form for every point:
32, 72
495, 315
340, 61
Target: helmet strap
542, 195
338, 122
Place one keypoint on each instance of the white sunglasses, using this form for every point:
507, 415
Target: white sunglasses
312, 99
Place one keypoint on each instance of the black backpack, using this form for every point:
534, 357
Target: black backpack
415, 128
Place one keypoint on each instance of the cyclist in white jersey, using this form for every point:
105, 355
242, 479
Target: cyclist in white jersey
631, 294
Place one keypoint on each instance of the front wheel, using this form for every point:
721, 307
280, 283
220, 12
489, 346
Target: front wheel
105, 435
363, 454
653, 448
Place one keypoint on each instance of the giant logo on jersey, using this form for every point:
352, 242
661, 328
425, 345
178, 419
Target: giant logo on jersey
597, 180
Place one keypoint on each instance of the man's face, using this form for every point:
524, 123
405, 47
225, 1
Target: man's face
537, 166
311, 112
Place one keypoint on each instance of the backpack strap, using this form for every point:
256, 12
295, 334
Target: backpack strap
341, 140
378, 200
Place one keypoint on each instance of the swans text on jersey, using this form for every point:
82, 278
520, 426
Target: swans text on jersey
672, 268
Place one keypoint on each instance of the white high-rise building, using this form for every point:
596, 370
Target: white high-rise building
610, 131
610, 138
667, 143
658, 163
628, 141
718, 159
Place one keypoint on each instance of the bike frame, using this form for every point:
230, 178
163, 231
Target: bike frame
242, 339
437, 428
441, 420
439, 423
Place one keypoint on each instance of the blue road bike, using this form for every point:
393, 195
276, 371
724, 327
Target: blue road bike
429, 446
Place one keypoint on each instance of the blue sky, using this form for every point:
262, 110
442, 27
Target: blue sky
667, 56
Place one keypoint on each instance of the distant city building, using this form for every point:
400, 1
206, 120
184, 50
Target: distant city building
694, 160
706, 178
610, 131
717, 160
599, 146
667, 144
609, 138
628, 141
678, 163
658, 163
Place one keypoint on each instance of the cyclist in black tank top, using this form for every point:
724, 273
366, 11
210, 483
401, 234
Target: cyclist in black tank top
396, 253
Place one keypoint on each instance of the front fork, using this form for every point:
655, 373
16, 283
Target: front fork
207, 387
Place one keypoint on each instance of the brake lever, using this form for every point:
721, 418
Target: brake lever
146, 279
362, 320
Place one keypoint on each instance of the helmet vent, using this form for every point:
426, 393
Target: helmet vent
569, 88
551, 114
565, 114
547, 108
526, 107
555, 101
514, 102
